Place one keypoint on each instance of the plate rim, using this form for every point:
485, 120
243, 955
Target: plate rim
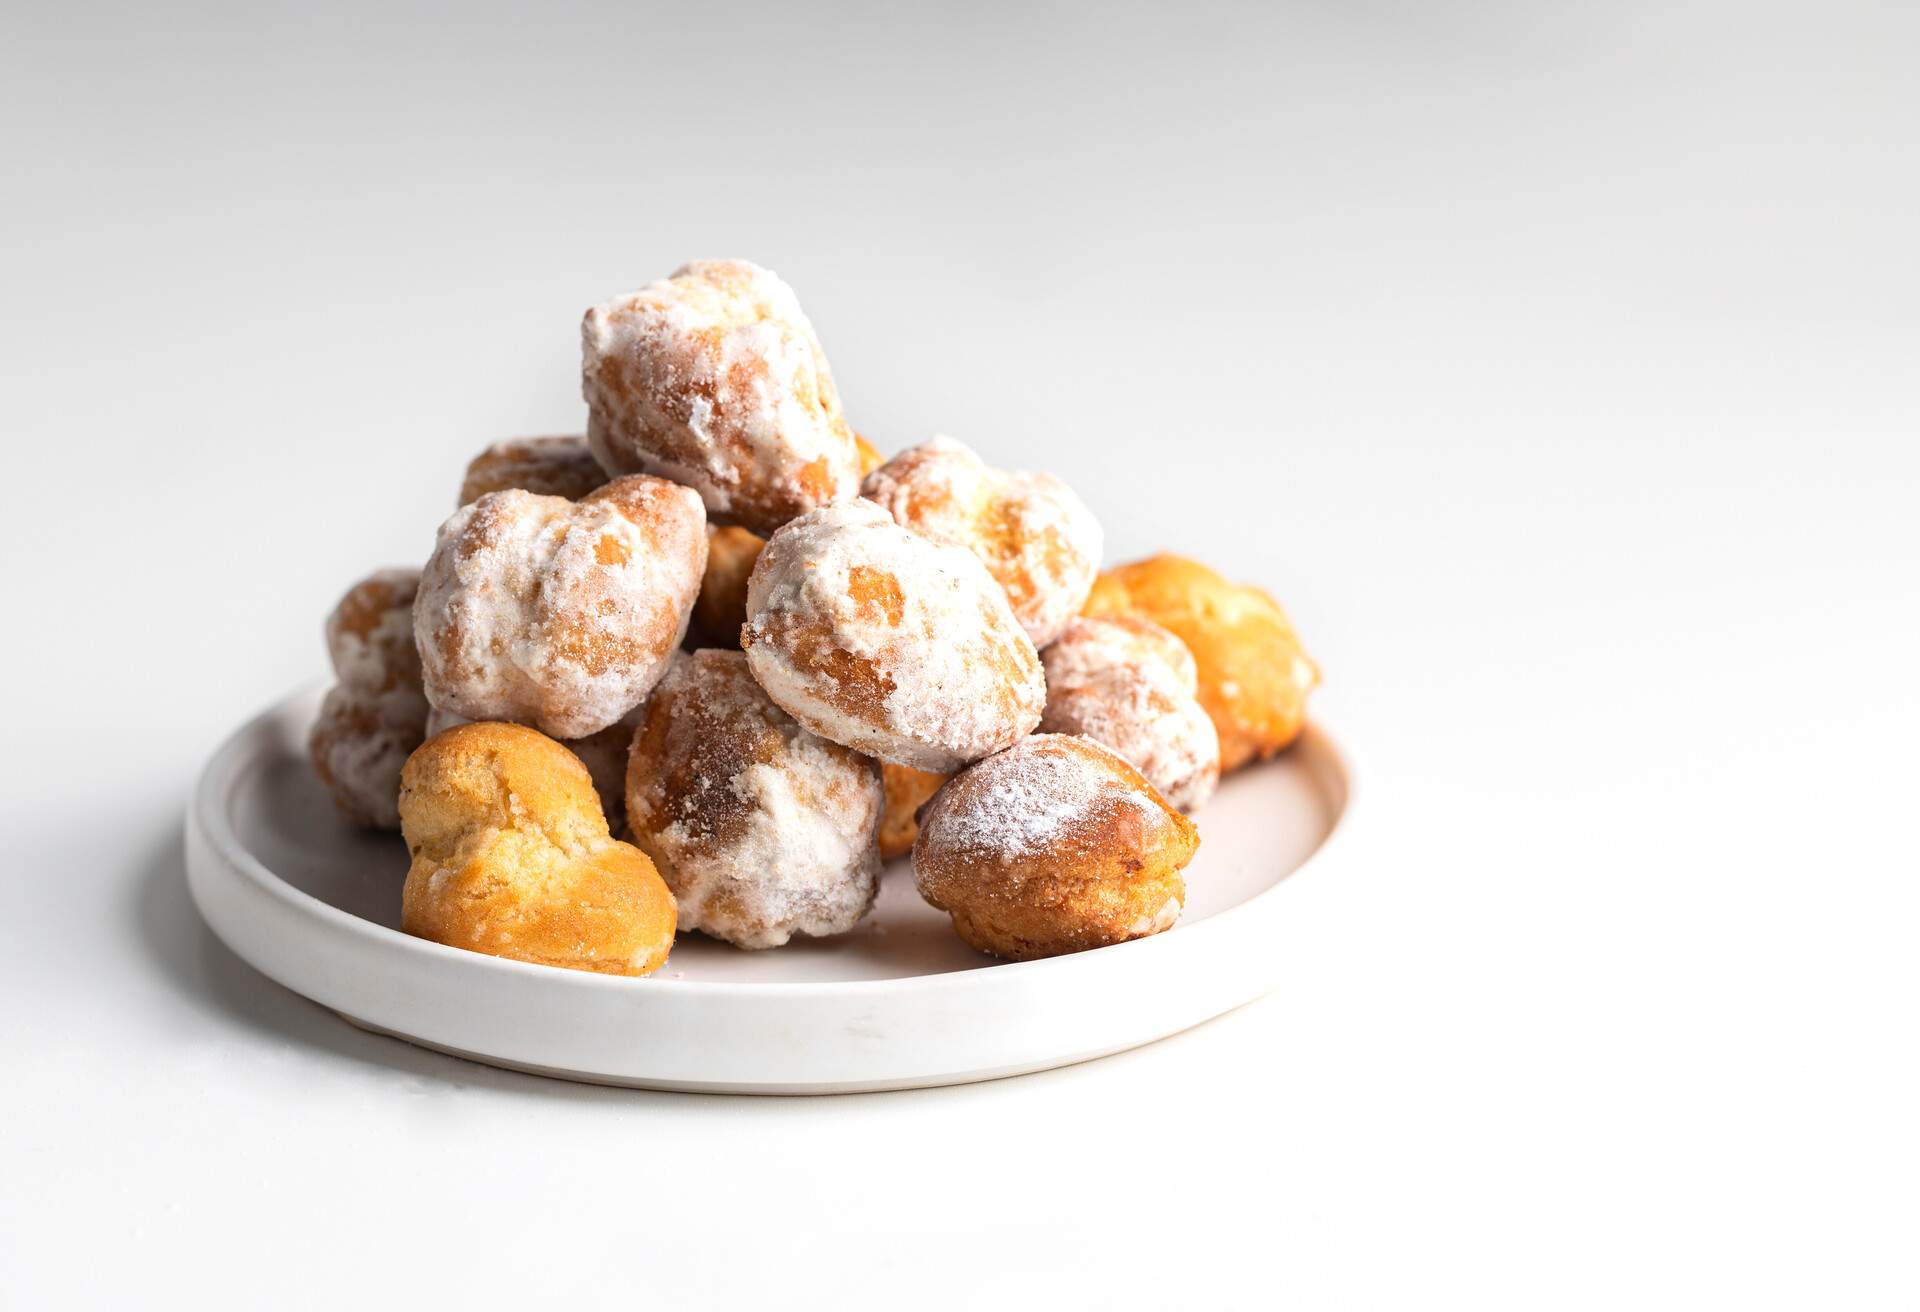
209, 814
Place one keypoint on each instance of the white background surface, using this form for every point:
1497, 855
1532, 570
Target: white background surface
1554, 365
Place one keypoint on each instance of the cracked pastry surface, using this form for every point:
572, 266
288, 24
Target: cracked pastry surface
888, 642
1055, 845
604, 754
761, 829
714, 378
1254, 676
1037, 539
1130, 684
512, 857
555, 613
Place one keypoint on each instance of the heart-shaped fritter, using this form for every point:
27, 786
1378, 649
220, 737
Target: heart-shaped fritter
512, 857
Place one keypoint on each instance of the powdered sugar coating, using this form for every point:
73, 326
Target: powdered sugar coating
1254, 676
376, 715
1030, 800
604, 754
761, 829
547, 466
358, 744
370, 632
888, 642
1037, 539
1129, 684
1054, 845
714, 378
559, 614
1086, 646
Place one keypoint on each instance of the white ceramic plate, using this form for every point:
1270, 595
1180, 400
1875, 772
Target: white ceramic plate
897, 1003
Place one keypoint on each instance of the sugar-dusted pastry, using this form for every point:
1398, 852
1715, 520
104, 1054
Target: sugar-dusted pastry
870, 457
907, 789
722, 606
1130, 684
547, 466
731, 551
714, 378
604, 754
357, 745
1055, 845
888, 642
512, 857
1037, 539
370, 632
376, 714
555, 613
1254, 674
762, 830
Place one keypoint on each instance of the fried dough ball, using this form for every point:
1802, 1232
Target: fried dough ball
376, 714
1254, 674
358, 744
888, 642
1129, 684
761, 829
604, 754
870, 457
1055, 845
906, 789
714, 378
559, 614
512, 857
722, 606
1037, 539
370, 632
545, 466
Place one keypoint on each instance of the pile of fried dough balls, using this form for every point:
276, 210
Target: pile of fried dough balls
709, 665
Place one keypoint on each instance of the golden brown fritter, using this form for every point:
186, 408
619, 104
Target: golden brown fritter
512, 857
1037, 539
907, 790
722, 606
1055, 845
1254, 674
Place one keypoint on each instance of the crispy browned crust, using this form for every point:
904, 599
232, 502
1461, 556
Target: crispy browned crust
722, 605
1108, 874
1254, 674
512, 857
907, 790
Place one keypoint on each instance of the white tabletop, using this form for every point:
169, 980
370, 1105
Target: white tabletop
1556, 369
